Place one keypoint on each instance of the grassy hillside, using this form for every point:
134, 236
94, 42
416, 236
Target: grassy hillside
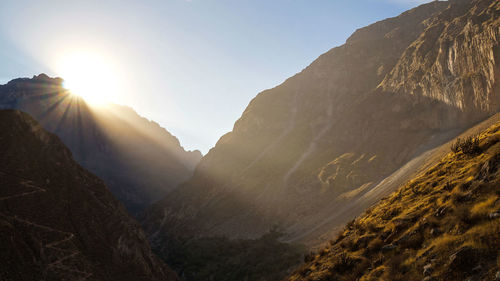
442, 225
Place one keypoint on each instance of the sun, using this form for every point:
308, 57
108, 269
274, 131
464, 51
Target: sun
89, 76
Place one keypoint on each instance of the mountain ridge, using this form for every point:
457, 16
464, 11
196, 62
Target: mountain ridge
139, 169
328, 131
59, 221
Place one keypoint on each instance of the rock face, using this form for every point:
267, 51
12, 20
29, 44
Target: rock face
455, 60
302, 151
437, 225
139, 168
57, 220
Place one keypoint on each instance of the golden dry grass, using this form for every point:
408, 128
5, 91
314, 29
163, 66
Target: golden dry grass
445, 218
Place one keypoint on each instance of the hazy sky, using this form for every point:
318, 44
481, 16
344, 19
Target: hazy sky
191, 65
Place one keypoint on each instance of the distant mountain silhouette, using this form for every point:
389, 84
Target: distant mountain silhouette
57, 220
304, 151
139, 160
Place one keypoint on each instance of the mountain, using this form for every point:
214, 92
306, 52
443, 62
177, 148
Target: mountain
58, 221
139, 160
302, 152
441, 225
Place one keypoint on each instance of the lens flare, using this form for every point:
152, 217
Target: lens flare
89, 76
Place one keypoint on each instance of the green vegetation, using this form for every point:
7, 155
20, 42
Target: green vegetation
442, 225
220, 258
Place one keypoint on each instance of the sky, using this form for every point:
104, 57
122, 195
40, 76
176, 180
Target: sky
190, 65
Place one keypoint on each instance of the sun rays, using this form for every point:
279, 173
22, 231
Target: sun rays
90, 76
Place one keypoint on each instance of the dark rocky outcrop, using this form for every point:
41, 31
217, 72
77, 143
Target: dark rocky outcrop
139, 160
57, 220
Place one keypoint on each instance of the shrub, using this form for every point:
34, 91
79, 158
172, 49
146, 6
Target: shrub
375, 245
350, 224
344, 263
448, 186
349, 245
468, 146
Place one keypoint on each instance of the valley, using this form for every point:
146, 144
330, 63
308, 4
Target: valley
377, 161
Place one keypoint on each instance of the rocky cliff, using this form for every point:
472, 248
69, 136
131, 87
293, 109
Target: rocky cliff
57, 220
302, 151
139, 168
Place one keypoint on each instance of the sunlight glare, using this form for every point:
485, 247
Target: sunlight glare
89, 76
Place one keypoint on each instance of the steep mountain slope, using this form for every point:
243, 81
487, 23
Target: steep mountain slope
442, 225
57, 220
139, 168
325, 137
324, 231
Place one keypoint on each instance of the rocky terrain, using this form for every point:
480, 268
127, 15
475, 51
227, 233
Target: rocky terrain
442, 225
139, 168
365, 119
60, 222
304, 150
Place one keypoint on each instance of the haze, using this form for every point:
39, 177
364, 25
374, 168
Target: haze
192, 66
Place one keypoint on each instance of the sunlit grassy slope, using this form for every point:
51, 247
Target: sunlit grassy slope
442, 225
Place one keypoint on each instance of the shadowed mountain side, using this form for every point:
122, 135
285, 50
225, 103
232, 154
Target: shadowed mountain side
441, 225
362, 200
57, 220
305, 148
139, 161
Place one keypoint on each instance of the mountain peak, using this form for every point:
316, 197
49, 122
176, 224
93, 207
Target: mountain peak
139, 169
334, 132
